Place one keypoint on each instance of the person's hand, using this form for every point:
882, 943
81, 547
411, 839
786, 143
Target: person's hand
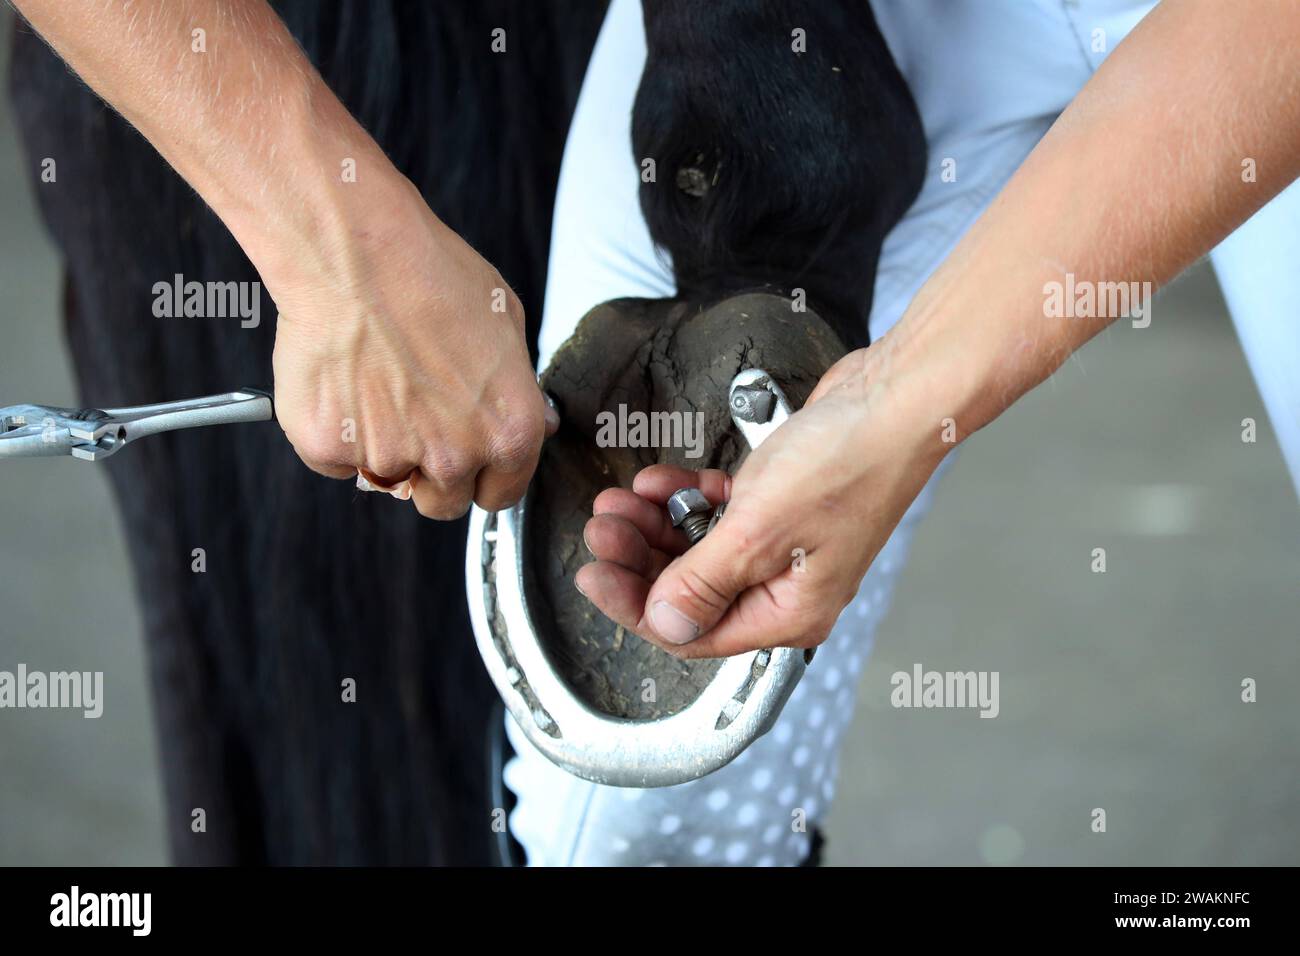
400, 354
806, 514
403, 357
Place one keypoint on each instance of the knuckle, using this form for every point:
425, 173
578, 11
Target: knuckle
700, 592
514, 308
751, 543
441, 507
387, 463
448, 466
748, 534
502, 497
517, 441
318, 447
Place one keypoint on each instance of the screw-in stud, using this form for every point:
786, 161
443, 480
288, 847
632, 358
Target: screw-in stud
752, 403
690, 511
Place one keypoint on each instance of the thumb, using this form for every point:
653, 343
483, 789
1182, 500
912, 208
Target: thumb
696, 590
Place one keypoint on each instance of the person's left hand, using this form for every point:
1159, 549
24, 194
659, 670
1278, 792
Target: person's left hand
806, 515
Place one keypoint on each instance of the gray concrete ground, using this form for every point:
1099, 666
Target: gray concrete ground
1119, 691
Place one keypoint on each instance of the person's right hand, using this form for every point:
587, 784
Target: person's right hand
400, 354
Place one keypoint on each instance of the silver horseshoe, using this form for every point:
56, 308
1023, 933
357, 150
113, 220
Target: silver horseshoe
739, 705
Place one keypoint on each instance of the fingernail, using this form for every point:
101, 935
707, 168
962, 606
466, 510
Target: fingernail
579, 587
587, 543
552, 413
672, 625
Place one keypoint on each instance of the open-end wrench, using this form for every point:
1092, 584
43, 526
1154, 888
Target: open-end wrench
93, 434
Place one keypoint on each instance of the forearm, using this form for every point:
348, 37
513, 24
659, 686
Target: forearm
1140, 176
237, 110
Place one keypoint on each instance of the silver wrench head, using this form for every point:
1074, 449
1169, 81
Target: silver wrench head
93, 434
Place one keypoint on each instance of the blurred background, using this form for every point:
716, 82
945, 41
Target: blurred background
1119, 690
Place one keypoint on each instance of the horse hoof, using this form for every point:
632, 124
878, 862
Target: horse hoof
641, 381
